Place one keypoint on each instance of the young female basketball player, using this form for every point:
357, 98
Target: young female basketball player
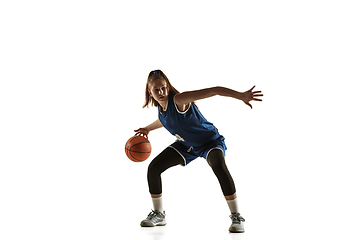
196, 137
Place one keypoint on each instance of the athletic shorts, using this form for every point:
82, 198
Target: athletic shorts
191, 153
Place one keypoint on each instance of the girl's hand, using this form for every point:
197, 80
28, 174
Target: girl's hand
250, 95
142, 132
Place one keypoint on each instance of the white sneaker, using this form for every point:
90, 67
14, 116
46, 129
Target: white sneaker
237, 225
155, 218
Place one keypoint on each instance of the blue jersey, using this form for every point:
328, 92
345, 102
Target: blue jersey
189, 127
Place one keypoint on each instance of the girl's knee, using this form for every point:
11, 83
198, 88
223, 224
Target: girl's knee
153, 168
216, 159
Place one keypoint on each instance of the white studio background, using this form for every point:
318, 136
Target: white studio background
72, 85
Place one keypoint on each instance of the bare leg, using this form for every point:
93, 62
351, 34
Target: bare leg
231, 197
156, 195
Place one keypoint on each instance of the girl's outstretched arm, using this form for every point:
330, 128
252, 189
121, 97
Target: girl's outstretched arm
184, 98
145, 131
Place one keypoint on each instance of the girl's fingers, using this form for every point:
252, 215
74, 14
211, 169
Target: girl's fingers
139, 133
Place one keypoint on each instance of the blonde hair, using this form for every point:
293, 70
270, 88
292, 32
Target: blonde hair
153, 75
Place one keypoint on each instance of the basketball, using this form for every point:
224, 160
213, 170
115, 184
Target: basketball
138, 148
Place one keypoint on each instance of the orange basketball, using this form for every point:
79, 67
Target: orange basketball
138, 148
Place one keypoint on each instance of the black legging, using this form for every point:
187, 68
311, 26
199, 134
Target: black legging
169, 158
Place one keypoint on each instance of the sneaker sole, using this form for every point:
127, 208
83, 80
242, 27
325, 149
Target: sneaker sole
150, 224
234, 230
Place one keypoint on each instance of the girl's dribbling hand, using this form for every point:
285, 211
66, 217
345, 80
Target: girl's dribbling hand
142, 132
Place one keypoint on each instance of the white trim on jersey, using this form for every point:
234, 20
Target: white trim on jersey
178, 109
179, 154
213, 149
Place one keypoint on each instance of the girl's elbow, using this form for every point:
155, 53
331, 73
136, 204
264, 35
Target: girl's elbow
218, 90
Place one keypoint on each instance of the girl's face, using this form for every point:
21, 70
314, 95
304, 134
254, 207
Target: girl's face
159, 90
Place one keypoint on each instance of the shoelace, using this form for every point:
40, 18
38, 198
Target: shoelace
154, 214
237, 218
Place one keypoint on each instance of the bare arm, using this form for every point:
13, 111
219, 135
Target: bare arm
145, 131
184, 98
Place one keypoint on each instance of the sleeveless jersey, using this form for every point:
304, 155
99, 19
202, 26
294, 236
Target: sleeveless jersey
189, 127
